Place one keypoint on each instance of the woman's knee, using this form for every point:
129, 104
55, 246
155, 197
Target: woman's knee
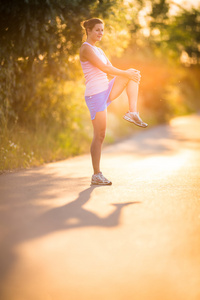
123, 81
126, 81
99, 124
100, 136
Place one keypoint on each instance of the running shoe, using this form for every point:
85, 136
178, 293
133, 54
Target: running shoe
134, 117
99, 179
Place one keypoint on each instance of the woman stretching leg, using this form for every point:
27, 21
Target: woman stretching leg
100, 92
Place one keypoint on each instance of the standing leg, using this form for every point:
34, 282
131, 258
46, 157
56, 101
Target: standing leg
99, 125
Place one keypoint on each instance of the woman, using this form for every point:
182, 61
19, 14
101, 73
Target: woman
100, 92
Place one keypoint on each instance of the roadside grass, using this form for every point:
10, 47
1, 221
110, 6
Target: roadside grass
22, 148
63, 127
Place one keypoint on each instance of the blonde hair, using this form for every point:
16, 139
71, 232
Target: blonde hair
89, 24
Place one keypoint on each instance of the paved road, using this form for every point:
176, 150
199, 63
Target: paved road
139, 239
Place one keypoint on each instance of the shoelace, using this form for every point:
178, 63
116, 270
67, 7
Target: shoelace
140, 118
103, 178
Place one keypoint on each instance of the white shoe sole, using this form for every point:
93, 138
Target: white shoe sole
101, 183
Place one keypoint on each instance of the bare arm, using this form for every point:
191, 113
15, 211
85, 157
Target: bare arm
87, 54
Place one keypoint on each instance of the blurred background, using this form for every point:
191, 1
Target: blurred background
43, 115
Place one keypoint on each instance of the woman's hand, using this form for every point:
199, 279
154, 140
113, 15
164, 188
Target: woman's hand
133, 75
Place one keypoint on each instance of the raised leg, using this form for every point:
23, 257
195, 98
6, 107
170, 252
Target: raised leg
118, 87
122, 83
132, 93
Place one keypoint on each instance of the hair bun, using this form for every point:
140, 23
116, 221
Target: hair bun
85, 24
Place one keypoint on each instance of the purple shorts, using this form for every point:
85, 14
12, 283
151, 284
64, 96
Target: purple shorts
100, 101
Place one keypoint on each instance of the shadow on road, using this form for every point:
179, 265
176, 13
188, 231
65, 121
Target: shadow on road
73, 215
26, 219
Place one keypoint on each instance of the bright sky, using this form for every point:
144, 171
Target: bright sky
187, 3
184, 3
174, 9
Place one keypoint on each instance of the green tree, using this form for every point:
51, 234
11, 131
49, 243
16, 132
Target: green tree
173, 34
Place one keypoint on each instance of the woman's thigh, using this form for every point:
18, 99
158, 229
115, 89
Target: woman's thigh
99, 123
118, 87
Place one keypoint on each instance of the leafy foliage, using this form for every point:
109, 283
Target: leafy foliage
177, 33
30, 28
38, 40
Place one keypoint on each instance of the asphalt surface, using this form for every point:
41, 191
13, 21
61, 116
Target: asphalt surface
139, 239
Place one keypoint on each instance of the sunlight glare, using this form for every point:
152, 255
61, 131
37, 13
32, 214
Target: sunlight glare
166, 165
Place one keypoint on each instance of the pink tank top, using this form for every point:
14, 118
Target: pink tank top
96, 80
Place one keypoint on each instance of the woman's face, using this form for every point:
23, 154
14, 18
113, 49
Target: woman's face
97, 32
